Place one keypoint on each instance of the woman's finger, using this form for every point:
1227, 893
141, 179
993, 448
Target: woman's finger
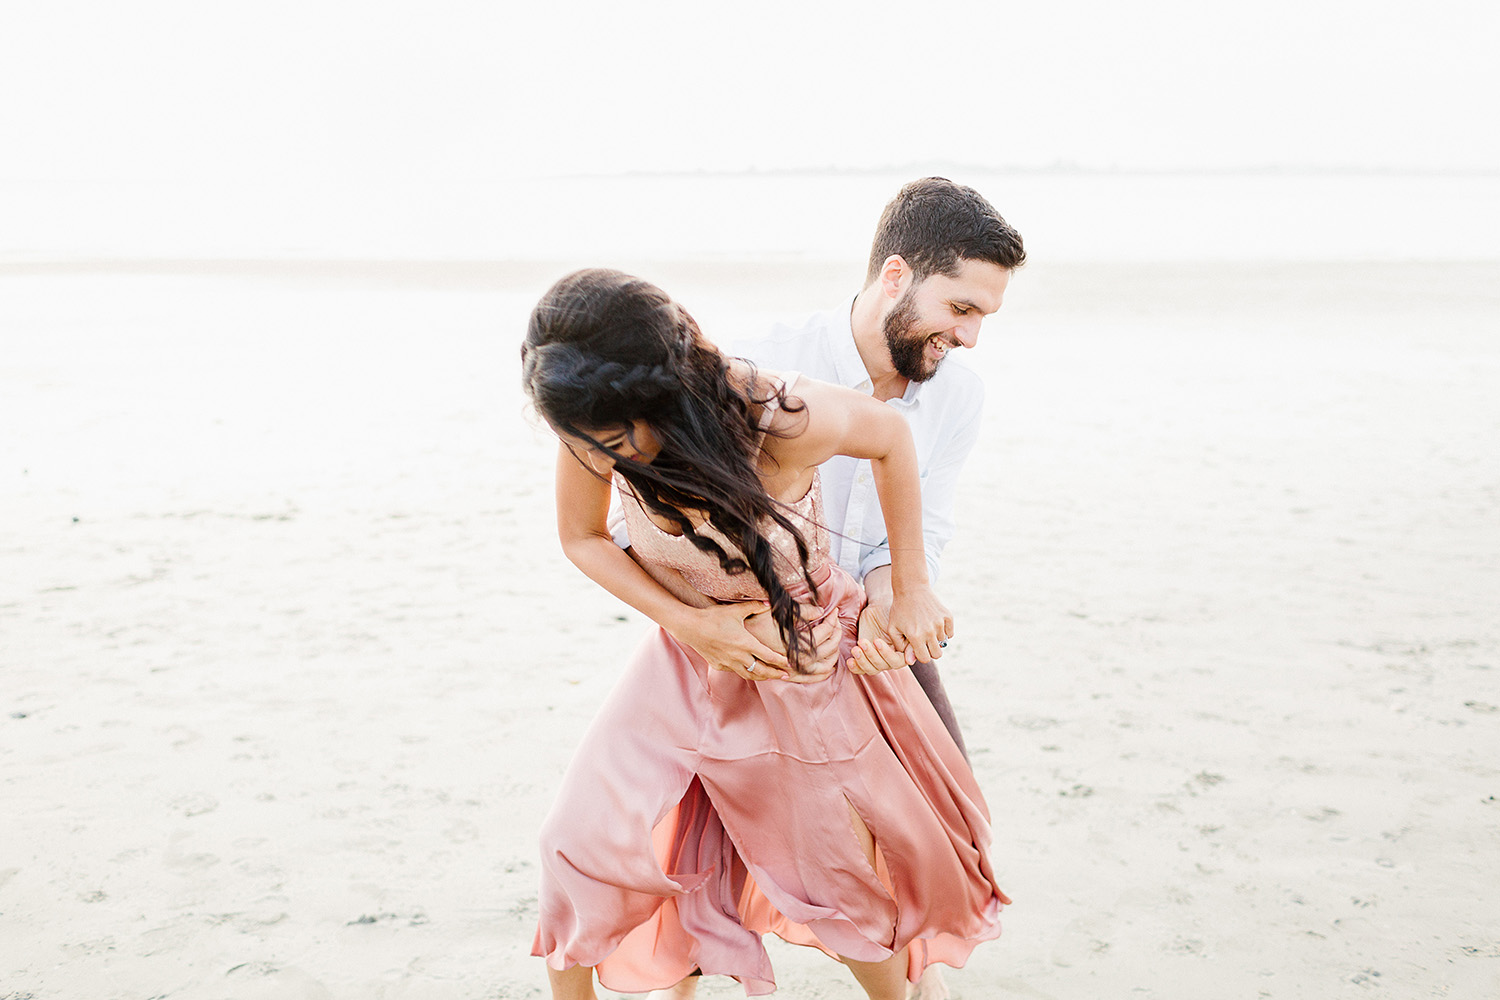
888, 657
934, 649
859, 661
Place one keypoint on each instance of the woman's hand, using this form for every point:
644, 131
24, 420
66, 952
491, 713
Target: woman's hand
825, 634
919, 623
720, 634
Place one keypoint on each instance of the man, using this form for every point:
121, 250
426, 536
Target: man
941, 260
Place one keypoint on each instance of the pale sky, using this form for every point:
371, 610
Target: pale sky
461, 89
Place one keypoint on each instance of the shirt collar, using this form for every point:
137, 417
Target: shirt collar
847, 363
850, 367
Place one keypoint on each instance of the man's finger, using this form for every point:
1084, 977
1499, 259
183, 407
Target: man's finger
760, 671
769, 656
825, 664
812, 676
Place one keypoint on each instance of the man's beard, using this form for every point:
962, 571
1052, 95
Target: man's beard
907, 349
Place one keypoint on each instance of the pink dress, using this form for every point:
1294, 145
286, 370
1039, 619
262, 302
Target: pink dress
703, 810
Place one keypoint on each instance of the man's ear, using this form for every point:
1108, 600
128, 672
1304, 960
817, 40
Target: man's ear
895, 276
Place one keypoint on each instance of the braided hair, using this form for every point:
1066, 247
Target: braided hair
604, 349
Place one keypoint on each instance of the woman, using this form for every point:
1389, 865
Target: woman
705, 808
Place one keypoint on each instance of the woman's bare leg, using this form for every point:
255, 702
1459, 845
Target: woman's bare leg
576, 983
882, 980
685, 990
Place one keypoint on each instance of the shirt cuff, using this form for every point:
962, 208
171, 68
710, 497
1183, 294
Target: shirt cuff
618, 529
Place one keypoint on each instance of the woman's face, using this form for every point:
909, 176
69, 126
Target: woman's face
634, 441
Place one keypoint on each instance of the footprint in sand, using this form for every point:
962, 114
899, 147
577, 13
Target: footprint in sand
263, 981
179, 860
1081, 942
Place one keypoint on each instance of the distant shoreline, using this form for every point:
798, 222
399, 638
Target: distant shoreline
505, 273
1074, 215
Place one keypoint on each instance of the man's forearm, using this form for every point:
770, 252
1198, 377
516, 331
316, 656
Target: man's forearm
673, 581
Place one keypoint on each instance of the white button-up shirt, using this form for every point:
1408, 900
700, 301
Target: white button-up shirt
943, 414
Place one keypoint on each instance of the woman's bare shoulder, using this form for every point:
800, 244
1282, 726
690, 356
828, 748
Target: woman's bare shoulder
815, 420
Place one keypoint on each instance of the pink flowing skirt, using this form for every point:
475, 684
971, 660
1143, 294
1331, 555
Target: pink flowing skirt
702, 810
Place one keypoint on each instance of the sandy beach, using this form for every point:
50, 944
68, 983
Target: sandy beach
291, 662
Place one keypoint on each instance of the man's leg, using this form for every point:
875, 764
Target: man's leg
932, 686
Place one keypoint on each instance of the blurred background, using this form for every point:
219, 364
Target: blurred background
290, 663
462, 129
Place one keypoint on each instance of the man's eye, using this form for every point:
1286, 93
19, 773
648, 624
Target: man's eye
960, 311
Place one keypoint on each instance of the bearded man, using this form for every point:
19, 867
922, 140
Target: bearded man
940, 262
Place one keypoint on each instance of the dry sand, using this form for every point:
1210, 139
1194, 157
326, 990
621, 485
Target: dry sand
290, 663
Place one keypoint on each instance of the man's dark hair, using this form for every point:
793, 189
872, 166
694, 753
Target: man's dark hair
933, 224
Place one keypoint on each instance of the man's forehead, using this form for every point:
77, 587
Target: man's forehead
978, 284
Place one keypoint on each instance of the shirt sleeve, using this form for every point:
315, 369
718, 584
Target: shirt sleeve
618, 529
939, 488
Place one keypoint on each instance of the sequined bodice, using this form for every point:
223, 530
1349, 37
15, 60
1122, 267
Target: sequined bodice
702, 570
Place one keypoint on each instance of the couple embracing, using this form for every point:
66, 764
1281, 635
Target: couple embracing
779, 755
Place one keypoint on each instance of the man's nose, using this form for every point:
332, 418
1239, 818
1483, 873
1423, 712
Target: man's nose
967, 332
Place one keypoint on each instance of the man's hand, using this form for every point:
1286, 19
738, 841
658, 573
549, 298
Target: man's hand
719, 634
825, 636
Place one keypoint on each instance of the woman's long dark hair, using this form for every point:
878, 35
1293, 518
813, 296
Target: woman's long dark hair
604, 349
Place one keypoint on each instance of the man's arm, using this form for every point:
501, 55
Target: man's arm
716, 631
760, 624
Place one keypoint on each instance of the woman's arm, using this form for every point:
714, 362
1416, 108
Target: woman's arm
839, 421
715, 631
